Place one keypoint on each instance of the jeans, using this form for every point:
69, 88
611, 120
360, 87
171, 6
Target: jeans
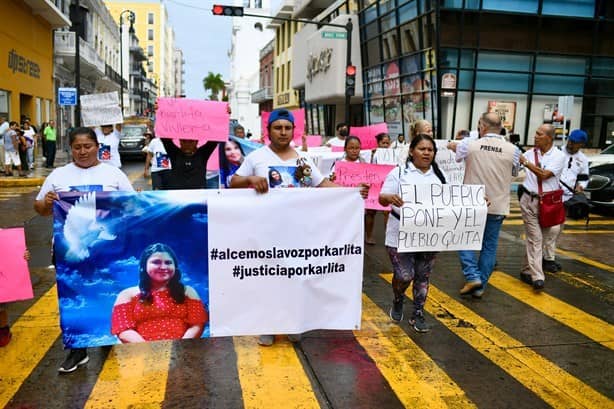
480, 269
50, 151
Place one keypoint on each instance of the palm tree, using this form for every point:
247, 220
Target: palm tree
215, 83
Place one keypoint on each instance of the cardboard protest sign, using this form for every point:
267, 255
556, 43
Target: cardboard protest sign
15, 281
366, 134
192, 119
231, 154
101, 109
386, 156
291, 274
353, 174
100, 244
442, 217
446, 159
314, 141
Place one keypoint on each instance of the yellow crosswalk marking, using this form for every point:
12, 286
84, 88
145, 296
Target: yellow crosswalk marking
133, 376
271, 377
586, 324
608, 222
586, 260
33, 334
552, 384
413, 376
588, 231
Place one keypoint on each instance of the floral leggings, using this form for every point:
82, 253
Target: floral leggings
408, 267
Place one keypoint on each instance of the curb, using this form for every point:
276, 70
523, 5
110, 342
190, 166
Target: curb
21, 182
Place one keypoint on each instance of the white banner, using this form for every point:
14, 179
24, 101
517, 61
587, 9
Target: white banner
442, 217
101, 109
446, 159
282, 263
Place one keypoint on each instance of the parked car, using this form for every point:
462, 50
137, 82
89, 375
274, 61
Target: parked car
132, 141
600, 189
606, 156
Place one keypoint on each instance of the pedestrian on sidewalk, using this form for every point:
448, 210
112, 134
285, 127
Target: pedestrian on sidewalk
85, 174
410, 268
11, 149
30, 134
490, 161
51, 134
544, 165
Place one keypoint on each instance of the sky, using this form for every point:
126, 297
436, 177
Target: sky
204, 39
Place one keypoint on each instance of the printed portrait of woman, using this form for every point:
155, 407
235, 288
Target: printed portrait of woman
160, 307
275, 179
231, 157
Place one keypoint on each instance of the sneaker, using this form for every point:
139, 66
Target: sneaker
266, 340
469, 287
419, 323
396, 311
526, 278
295, 337
478, 293
551, 266
538, 285
5, 336
76, 357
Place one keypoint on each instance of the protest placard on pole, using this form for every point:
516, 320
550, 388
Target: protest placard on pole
442, 217
353, 174
15, 281
446, 159
272, 273
101, 109
192, 119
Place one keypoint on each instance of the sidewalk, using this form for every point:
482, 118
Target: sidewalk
35, 177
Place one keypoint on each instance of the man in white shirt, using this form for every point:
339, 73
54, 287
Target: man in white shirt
339, 139
547, 169
108, 145
576, 163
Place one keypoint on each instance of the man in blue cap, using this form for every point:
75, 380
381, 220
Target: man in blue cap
576, 163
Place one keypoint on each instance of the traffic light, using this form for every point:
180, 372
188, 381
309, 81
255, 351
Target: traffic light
230, 11
350, 80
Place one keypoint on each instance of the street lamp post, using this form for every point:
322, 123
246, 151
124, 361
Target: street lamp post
131, 19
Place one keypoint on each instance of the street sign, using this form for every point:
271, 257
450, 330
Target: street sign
67, 96
342, 35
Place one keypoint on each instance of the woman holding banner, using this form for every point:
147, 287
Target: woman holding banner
414, 268
84, 174
160, 307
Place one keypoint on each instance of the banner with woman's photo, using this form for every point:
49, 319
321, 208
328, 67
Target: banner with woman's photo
136, 267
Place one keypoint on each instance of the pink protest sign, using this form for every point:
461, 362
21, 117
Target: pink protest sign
299, 126
337, 148
313, 141
214, 160
352, 174
192, 119
366, 134
15, 281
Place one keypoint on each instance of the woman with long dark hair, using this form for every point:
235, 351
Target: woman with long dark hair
160, 307
410, 268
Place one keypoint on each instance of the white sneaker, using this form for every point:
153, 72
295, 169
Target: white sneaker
266, 340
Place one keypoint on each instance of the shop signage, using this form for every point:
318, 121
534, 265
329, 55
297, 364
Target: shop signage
18, 63
506, 111
67, 96
319, 63
342, 35
283, 99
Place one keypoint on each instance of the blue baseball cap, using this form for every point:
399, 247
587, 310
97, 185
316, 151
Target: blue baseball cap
280, 114
578, 136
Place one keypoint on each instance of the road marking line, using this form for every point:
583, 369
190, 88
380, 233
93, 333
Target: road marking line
33, 334
588, 231
586, 260
517, 222
272, 377
549, 382
133, 376
586, 324
578, 282
413, 376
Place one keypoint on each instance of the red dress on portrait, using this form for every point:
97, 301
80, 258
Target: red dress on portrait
163, 318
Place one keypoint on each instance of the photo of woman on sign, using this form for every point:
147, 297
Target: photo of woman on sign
231, 157
160, 307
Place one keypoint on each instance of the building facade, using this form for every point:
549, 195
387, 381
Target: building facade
249, 36
155, 36
264, 96
449, 61
179, 72
26, 44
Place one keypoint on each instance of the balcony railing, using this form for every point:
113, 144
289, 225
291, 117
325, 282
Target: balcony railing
114, 75
65, 46
263, 94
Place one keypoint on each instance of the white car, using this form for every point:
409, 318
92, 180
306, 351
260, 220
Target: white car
606, 156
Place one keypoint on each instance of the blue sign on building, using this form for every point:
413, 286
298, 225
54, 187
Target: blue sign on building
67, 96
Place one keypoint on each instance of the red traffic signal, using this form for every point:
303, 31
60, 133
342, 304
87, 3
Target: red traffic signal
231, 11
350, 70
